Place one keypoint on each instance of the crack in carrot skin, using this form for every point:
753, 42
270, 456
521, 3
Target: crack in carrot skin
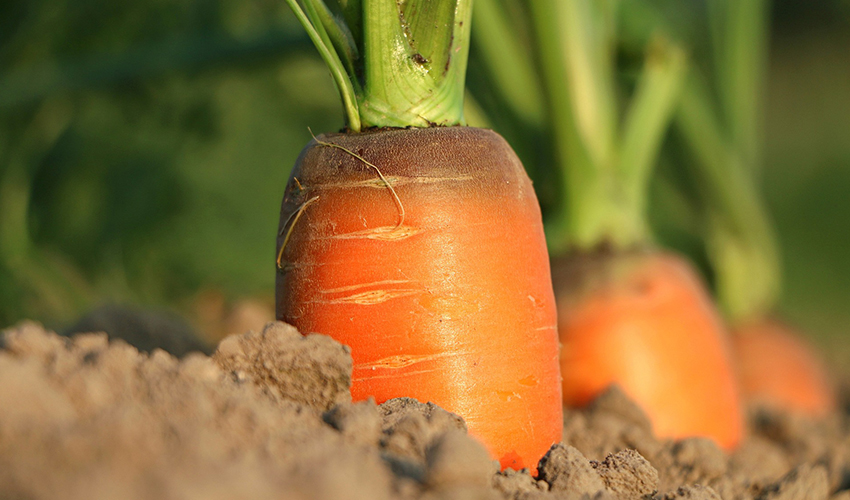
371, 297
358, 286
384, 233
395, 181
404, 360
394, 375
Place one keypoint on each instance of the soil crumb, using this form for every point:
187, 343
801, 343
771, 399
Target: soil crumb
269, 415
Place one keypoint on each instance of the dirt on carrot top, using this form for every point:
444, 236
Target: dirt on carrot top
269, 415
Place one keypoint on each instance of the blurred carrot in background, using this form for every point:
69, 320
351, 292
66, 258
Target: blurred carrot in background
776, 365
778, 368
629, 313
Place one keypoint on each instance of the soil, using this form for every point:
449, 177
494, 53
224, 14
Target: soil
269, 415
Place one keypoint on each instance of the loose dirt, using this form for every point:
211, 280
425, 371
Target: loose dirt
269, 415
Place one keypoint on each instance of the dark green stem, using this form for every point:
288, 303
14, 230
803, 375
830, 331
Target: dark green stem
507, 60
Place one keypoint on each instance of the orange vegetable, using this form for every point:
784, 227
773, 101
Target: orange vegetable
643, 321
779, 369
423, 250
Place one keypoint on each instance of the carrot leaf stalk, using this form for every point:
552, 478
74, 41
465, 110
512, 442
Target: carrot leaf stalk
341, 74
500, 46
723, 135
607, 166
740, 241
740, 36
396, 64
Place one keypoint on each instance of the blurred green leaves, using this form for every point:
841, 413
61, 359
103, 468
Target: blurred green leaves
144, 148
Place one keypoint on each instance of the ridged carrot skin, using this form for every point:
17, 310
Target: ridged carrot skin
643, 321
440, 286
779, 369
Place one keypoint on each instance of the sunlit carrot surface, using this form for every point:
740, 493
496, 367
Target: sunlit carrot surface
778, 368
440, 286
645, 323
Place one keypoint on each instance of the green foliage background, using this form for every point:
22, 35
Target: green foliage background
144, 148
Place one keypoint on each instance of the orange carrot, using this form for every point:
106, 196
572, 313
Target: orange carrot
645, 323
779, 369
423, 250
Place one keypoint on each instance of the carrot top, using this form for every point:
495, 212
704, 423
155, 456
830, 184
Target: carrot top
723, 135
396, 64
604, 149
718, 121
740, 239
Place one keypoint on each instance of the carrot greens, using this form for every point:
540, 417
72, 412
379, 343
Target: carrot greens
740, 239
723, 135
605, 158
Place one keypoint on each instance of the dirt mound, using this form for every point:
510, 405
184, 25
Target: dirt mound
269, 415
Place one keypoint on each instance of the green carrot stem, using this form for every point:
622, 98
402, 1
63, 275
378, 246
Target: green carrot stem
343, 80
506, 58
726, 142
646, 122
415, 56
740, 36
569, 149
588, 58
352, 13
605, 170
741, 242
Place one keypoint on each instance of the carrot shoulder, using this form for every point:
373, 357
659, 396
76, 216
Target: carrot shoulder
423, 250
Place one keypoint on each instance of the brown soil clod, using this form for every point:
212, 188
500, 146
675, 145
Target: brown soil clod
313, 370
566, 470
627, 474
805, 482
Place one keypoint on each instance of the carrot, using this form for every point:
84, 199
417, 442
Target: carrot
775, 363
629, 314
422, 248
644, 322
778, 368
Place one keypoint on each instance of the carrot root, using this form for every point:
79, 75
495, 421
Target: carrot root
454, 306
779, 369
644, 322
